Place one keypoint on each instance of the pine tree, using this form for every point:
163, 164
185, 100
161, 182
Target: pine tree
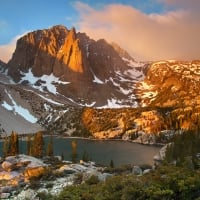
28, 145
111, 164
85, 157
38, 145
169, 153
50, 147
13, 147
5, 147
62, 156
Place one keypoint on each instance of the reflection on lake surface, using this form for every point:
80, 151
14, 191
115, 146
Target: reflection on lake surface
102, 151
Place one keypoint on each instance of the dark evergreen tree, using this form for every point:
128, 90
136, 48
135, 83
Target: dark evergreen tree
5, 147
13, 147
50, 147
62, 156
111, 164
85, 156
37, 146
28, 145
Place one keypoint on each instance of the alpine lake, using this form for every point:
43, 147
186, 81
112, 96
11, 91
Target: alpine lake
100, 151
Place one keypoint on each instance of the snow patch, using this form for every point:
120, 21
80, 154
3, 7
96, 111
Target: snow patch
113, 103
47, 107
19, 109
133, 63
124, 91
131, 75
47, 81
81, 104
114, 83
134, 73
7, 106
60, 114
96, 79
50, 100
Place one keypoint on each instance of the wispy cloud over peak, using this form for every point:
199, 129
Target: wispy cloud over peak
170, 35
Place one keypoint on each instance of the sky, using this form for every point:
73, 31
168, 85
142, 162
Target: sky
149, 30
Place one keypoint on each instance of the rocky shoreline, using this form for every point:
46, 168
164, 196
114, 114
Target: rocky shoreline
26, 177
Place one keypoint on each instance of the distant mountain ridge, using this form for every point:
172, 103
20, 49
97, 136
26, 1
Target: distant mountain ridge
89, 71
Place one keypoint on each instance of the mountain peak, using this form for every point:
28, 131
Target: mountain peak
59, 26
89, 66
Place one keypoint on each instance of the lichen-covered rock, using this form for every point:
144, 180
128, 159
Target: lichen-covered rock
34, 172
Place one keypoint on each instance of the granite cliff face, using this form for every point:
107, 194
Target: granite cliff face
89, 71
56, 50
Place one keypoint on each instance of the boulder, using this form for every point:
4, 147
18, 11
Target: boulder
79, 167
137, 170
4, 195
104, 176
8, 175
34, 172
8, 166
146, 171
89, 173
43, 190
66, 169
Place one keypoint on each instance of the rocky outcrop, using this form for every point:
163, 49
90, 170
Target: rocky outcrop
55, 50
137, 170
20, 186
16, 170
171, 83
34, 172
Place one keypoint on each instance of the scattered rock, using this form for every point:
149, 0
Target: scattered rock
5, 175
43, 190
146, 171
104, 176
79, 167
6, 189
137, 170
60, 183
26, 194
5, 195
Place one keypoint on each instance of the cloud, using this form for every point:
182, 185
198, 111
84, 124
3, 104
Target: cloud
170, 35
7, 50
